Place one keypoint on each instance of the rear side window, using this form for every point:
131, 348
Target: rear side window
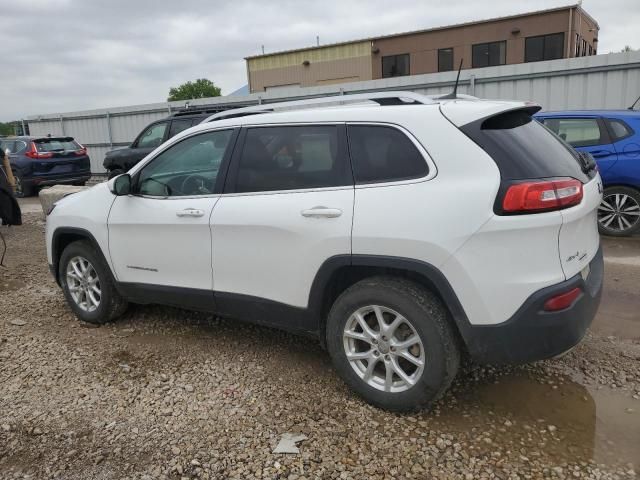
56, 145
523, 148
383, 154
619, 129
578, 132
292, 157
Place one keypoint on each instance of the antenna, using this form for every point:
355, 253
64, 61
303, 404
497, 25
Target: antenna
634, 103
454, 94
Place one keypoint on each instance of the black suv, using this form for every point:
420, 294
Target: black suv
122, 159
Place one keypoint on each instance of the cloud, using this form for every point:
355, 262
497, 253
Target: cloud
66, 55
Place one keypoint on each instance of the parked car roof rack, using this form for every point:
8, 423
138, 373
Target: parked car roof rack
381, 98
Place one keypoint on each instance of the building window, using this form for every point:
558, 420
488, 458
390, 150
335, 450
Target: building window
445, 59
395, 65
544, 47
489, 54
577, 49
583, 53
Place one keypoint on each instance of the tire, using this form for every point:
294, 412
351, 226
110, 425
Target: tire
619, 212
22, 190
426, 317
115, 173
110, 304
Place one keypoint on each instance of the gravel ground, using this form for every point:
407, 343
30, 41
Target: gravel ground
166, 393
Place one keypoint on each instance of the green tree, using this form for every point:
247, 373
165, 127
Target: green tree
201, 88
6, 128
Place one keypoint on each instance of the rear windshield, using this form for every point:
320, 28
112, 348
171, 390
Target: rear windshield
56, 144
523, 148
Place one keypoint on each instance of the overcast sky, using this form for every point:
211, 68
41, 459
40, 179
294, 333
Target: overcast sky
65, 55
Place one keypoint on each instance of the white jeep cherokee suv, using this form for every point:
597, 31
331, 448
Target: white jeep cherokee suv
403, 231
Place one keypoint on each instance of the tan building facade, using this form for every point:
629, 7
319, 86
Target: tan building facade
544, 35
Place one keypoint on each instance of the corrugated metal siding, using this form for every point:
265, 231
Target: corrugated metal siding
602, 81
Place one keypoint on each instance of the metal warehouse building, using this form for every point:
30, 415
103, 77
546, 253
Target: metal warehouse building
551, 34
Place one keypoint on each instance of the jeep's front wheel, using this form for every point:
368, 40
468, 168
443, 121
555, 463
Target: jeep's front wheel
87, 284
392, 342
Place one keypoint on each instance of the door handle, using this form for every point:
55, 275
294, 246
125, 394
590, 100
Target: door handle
190, 212
601, 153
321, 212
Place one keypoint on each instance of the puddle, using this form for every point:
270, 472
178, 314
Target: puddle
563, 421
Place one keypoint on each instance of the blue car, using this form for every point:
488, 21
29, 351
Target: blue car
613, 138
38, 162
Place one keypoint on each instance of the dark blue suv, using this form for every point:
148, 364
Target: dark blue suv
613, 138
38, 162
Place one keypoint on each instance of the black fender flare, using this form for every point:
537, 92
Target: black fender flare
428, 273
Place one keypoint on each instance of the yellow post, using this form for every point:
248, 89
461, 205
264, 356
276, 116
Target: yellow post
7, 169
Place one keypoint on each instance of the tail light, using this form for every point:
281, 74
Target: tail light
562, 301
81, 150
34, 153
542, 196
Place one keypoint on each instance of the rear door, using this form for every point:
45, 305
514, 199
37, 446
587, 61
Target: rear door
626, 141
287, 208
587, 134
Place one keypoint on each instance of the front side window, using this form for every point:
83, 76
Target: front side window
395, 65
489, 54
383, 154
445, 59
178, 126
544, 47
187, 168
152, 136
291, 158
578, 132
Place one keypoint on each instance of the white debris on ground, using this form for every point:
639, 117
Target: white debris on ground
289, 443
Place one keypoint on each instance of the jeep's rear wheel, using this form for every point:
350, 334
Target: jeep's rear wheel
87, 284
392, 342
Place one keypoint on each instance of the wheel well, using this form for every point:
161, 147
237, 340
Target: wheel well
346, 276
61, 241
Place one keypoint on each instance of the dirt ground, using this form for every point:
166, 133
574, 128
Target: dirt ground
166, 393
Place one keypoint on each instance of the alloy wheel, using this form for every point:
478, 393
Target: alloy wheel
384, 348
618, 212
83, 284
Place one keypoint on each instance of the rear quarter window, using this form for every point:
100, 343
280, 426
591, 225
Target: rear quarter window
383, 154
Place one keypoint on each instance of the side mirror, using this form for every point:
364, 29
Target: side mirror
121, 185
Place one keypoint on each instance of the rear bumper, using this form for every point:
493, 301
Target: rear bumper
534, 334
44, 181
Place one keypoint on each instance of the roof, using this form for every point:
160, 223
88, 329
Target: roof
577, 113
413, 32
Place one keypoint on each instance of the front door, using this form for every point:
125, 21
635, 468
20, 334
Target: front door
160, 236
287, 208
